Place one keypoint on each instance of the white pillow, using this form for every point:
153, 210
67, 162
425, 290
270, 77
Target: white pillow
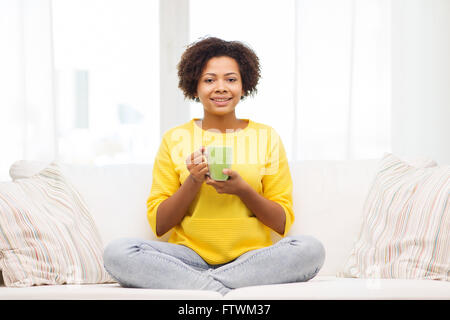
47, 235
406, 224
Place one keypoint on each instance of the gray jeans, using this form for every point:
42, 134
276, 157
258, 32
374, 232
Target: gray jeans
162, 265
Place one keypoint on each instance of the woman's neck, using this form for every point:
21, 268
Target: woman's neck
221, 123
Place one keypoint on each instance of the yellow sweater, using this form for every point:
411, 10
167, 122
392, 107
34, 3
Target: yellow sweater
219, 227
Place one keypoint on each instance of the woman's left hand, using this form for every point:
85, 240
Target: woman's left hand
234, 185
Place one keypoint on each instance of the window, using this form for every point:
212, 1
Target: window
106, 56
81, 78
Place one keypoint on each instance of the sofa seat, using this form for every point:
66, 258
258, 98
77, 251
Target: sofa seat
336, 288
319, 288
110, 291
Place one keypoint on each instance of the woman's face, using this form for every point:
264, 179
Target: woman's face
220, 86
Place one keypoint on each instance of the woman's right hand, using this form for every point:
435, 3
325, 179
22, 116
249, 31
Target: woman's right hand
197, 165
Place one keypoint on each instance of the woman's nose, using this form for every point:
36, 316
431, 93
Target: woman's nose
221, 86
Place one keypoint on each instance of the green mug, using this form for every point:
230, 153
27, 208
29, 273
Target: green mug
219, 158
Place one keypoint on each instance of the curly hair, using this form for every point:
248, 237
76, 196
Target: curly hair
198, 53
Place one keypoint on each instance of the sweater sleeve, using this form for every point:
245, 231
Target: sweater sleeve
165, 182
277, 181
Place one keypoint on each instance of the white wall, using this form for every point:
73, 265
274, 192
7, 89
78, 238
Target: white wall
421, 78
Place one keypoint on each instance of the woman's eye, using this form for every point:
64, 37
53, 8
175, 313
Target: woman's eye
209, 80
232, 80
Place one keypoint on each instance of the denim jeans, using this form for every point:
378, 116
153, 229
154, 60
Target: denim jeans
162, 265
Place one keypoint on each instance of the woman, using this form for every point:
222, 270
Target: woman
220, 230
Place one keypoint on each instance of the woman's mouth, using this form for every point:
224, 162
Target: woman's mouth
221, 101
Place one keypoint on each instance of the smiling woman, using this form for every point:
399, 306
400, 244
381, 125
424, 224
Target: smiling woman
194, 59
219, 74
219, 88
221, 230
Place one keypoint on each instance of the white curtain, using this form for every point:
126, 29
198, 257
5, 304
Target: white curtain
342, 79
27, 112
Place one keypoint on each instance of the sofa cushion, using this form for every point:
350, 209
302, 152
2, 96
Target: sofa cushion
406, 223
116, 195
47, 235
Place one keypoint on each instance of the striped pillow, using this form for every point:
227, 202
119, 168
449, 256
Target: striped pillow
406, 224
47, 235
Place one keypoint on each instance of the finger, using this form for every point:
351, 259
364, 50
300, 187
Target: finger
199, 159
197, 155
197, 168
191, 167
200, 151
194, 158
216, 183
204, 171
204, 168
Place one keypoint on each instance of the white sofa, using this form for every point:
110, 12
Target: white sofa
328, 200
